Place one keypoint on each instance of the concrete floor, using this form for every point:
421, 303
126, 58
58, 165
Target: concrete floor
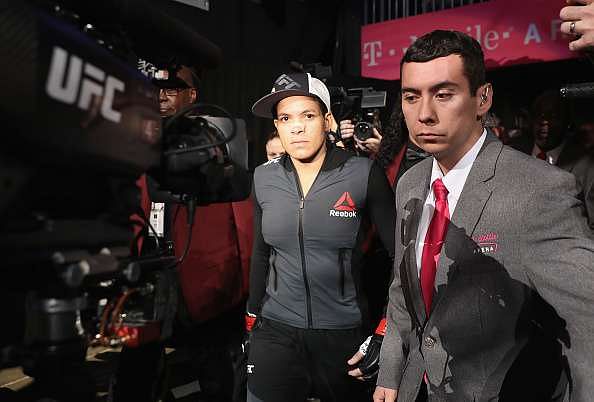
102, 360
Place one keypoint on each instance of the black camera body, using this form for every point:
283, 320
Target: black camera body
364, 128
360, 105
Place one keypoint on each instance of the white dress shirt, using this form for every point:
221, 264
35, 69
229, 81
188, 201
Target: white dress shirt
454, 181
552, 156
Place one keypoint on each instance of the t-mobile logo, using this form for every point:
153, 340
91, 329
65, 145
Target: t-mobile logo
69, 74
372, 51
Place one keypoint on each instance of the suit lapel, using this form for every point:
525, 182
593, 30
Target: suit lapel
416, 199
475, 194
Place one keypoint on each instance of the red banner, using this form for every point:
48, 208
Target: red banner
510, 32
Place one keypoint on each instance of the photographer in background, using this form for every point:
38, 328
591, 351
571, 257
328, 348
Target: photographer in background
578, 21
388, 145
369, 146
213, 282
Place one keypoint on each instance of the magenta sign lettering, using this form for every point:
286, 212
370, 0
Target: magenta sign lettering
510, 32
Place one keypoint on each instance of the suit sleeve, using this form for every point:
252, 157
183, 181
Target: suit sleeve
584, 174
395, 344
558, 255
259, 261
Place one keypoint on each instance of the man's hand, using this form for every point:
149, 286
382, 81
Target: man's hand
578, 22
347, 129
382, 394
370, 145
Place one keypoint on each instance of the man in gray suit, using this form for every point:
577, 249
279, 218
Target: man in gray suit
493, 293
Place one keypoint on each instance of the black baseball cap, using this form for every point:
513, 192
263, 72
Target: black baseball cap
294, 84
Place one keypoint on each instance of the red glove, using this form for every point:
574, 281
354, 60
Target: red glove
250, 320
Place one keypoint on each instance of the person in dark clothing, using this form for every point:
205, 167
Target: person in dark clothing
208, 326
552, 142
305, 273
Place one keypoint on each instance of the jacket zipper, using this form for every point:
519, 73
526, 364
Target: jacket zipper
341, 267
275, 283
302, 248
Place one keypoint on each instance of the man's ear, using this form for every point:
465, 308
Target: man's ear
484, 99
193, 95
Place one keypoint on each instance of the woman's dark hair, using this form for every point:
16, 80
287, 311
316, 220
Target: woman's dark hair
394, 136
272, 135
440, 43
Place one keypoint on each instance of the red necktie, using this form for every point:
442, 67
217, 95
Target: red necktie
433, 242
542, 155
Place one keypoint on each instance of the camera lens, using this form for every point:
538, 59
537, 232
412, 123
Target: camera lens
363, 130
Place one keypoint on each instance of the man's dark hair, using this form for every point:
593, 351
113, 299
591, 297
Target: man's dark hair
441, 43
323, 108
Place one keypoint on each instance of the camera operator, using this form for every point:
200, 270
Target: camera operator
578, 22
212, 279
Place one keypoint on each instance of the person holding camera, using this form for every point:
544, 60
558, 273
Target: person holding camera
368, 146
305, 306
392, 150
208, 328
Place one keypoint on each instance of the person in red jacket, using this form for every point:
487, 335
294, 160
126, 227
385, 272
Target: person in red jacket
213, 282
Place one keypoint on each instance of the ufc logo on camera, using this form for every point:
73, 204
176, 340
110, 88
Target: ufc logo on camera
66, 76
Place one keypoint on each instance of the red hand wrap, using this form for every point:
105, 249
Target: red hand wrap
249, 322
381, 328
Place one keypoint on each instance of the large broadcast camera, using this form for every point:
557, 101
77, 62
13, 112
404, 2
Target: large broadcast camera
80, 125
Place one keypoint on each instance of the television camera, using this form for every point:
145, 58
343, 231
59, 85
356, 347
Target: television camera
80, 127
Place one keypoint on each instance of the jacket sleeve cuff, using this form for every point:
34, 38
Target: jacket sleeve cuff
389, 378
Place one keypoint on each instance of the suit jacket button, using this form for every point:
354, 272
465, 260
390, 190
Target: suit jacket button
429, 342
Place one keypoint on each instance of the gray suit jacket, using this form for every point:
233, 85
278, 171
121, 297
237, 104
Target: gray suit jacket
512, 314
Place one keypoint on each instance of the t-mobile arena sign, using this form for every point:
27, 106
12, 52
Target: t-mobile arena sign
510, 32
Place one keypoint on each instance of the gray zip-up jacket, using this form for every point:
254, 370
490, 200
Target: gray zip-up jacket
307, 250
